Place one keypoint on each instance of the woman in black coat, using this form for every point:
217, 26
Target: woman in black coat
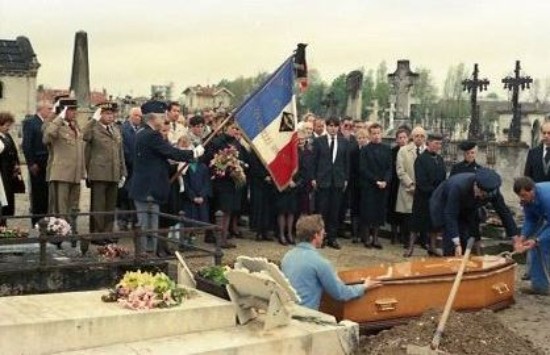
375, 172
9, 164
429, 170
227, 195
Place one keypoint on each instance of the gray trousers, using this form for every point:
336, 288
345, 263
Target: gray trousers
63, 197
148, 243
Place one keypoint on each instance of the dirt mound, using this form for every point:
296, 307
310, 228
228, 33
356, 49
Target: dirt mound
465, 333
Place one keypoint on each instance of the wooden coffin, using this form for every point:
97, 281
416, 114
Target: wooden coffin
412, 287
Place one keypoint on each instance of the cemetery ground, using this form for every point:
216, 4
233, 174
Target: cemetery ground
529, 317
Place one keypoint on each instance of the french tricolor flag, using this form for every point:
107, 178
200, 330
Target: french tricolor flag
268, 120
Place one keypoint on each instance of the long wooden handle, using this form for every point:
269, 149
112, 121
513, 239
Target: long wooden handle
447, 310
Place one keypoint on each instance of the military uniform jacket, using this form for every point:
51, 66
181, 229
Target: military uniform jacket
453, 204
151, 174
66, 148
103, 152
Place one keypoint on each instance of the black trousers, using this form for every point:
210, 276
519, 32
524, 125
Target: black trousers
329, 203
39, 193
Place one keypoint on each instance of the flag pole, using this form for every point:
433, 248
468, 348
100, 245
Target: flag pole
208, 140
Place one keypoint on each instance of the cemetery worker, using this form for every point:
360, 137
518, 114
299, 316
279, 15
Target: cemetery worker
128, 131
404, 167
151, 179
454, 205
537, 165
36, 156
375, 171
10, 169
104, 161
429, 172
330, 178
66, 169
535, 199
469, 164
310, 273
177, 129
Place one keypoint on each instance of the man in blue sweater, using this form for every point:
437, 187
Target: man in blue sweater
310, 273
535, 199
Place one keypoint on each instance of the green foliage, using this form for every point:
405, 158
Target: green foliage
454, 105
215, 274
311, 100
382, 88
368, 92
425, 93
338, 88
242, 87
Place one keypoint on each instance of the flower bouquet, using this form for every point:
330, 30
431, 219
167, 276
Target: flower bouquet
112, 251
226, 162
144, 290
54, 226
16, 232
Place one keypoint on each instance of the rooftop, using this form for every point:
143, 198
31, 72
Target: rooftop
17, 56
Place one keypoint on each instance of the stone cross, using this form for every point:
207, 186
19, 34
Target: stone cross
401, 82
373, 115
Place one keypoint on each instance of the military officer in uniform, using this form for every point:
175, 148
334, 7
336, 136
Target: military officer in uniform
454, 204
66, 157
104, 158
151, 174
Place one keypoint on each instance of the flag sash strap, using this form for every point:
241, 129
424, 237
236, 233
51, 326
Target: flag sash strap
268, 120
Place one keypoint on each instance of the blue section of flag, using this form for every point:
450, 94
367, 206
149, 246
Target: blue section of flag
266, 103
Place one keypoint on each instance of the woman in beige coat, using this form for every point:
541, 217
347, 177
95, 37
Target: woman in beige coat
405, 172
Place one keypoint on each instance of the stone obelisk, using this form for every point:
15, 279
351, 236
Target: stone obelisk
80, 77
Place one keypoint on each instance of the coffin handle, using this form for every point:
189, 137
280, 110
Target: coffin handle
501, 288
386, 304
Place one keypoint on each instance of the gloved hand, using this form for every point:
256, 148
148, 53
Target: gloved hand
97, 114
121, 182
198, 151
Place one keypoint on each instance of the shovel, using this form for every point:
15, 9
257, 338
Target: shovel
433, 348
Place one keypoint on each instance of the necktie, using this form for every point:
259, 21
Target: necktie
173, 126
417, 151
109, 130
547, 155
331, 146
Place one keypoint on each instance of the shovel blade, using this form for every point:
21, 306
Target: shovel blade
423, 350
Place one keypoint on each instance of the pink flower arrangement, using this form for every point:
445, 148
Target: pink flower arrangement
112, 251
226, 162
55, 226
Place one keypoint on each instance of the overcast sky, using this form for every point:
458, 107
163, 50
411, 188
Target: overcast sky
136, 43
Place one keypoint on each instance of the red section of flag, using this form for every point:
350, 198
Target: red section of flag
285, 164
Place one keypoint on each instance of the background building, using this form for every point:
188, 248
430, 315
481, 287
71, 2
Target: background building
18, 70
200, 97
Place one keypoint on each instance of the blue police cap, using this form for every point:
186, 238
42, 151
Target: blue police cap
153, 106
487, 180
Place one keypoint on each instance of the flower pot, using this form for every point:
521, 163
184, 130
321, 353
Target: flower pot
212, 288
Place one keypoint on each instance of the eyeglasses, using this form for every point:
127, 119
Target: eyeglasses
348, 126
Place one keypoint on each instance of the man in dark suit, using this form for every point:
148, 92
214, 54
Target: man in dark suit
151, 170
36, 156
331, 172
537, 165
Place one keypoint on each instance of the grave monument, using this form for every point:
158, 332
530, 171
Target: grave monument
401, 82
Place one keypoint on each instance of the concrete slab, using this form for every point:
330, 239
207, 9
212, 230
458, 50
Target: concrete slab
44, 324
298, 338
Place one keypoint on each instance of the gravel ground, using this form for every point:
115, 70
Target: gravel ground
525, 322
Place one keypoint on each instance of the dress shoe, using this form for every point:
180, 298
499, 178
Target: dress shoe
228, 245
290, 240
535, 292
282, 241
526, 277
334, 245
235, 234
376, 245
